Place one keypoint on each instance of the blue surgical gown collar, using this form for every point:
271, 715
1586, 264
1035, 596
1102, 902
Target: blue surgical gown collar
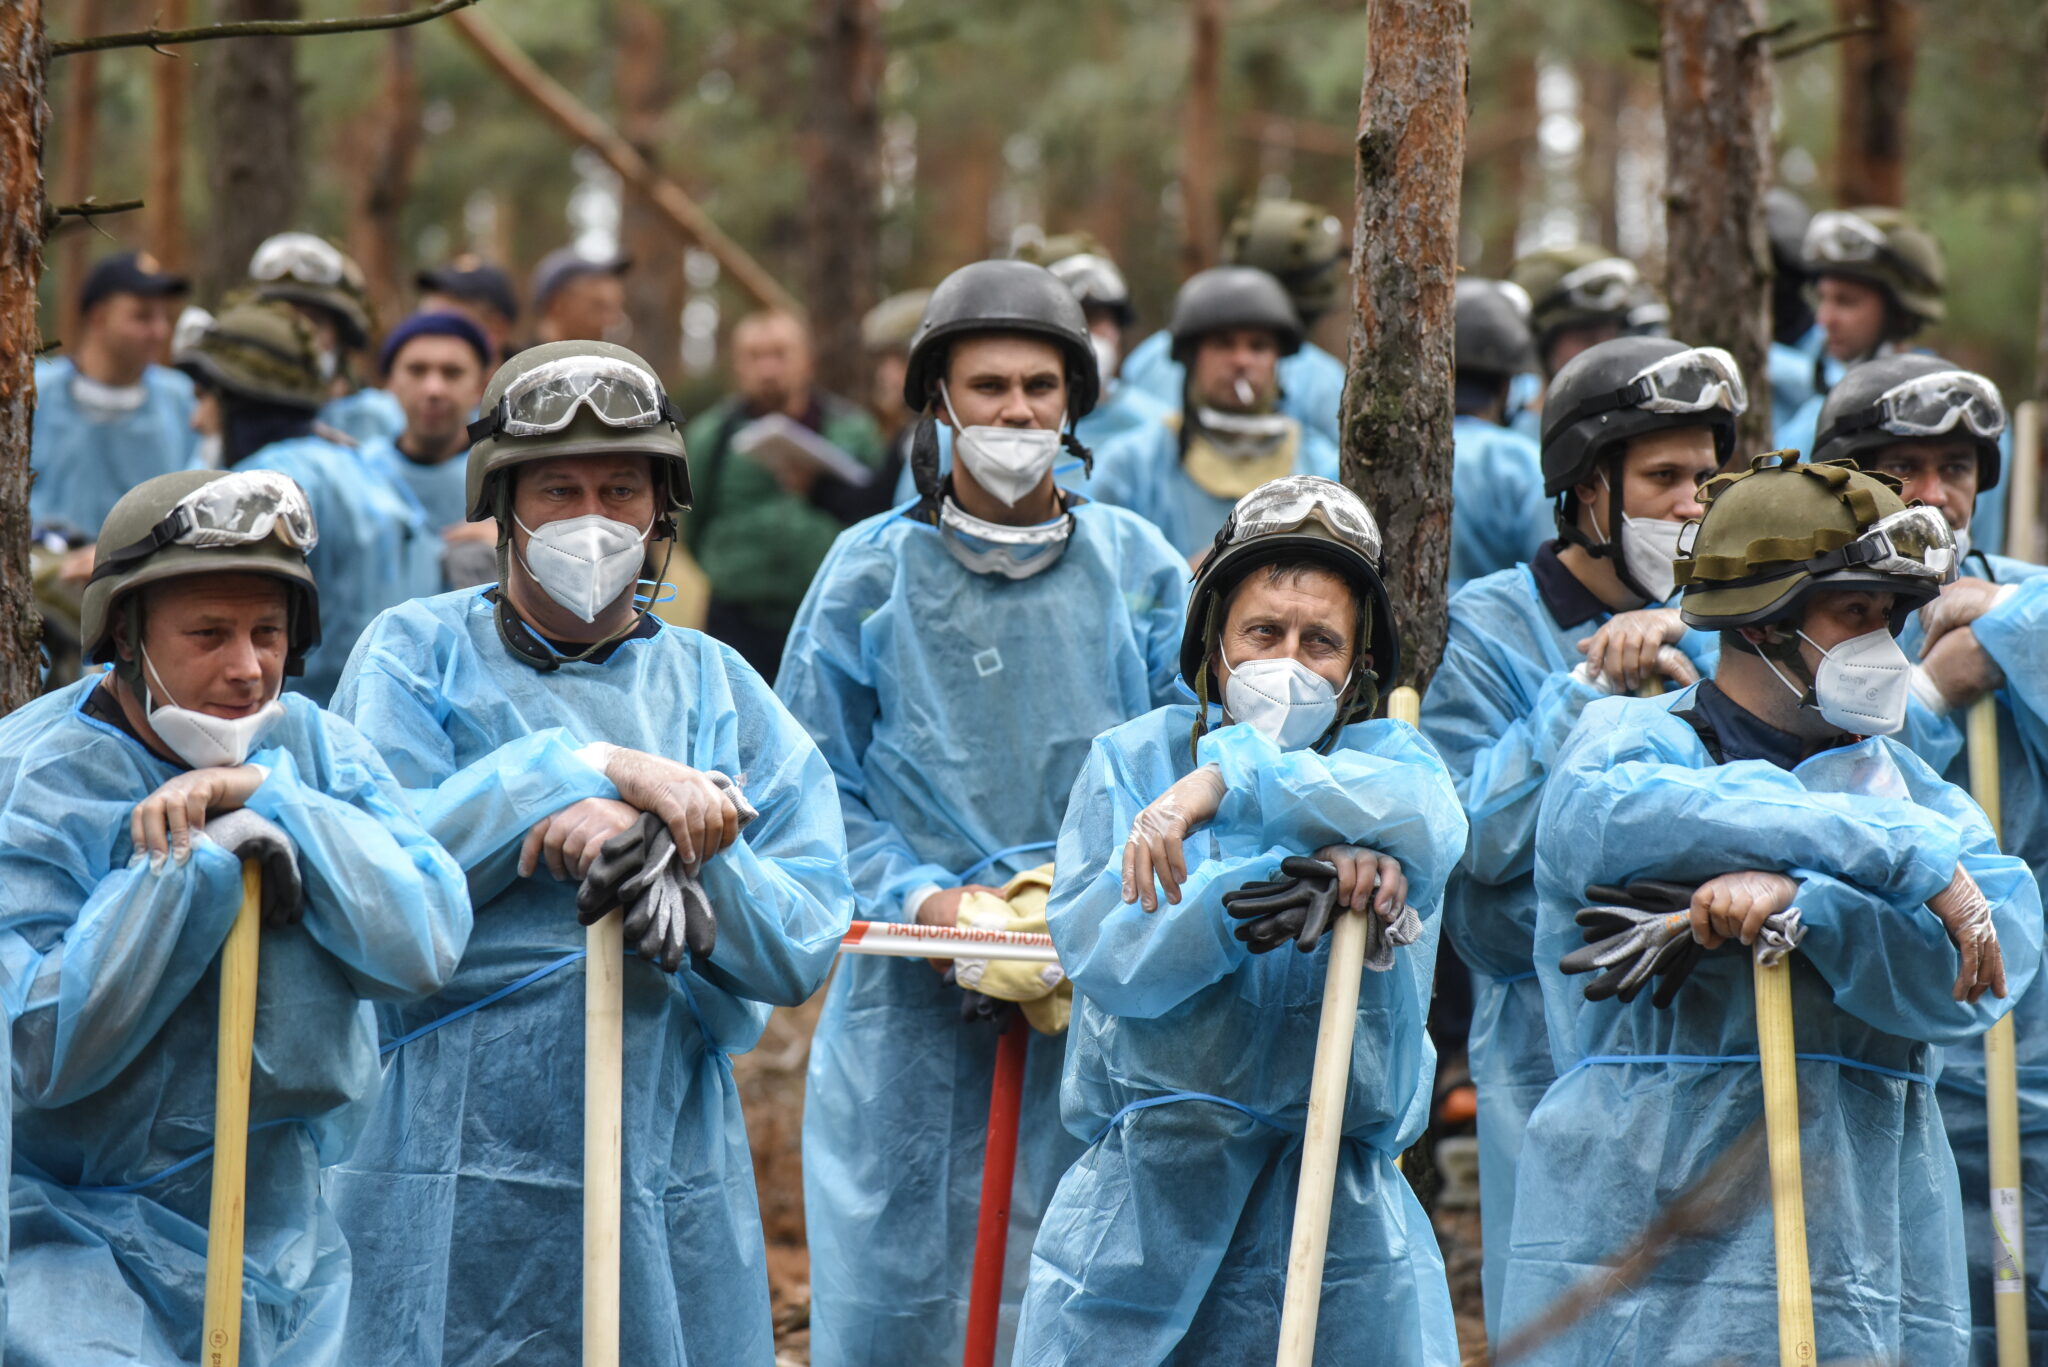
538, 651
1568, 600
1731, 732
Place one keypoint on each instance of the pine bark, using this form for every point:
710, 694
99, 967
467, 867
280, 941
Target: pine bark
24, 61
385, 147
255, 174
643, 86
80, 128
842, 218
170, 86
1718, 94
1876, 84
1199, 141
1404, 265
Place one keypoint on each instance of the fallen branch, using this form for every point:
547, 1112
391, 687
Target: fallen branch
256, 28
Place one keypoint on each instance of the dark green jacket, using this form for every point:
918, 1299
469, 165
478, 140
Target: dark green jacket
758, 545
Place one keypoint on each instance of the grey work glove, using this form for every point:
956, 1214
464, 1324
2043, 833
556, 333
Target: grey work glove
246, 835
666, 909
1644, 931
1299, 907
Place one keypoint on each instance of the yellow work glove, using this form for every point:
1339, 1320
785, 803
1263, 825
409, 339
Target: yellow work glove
1041, 991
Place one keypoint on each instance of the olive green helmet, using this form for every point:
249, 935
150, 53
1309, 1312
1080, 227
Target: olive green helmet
261, 351
311, 271
889, 325
1774, 534
1886, 249
159, 529
575, 399
1295, 242
1580, 286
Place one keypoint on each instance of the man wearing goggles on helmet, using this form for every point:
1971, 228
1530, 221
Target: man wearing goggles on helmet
1632, 428
1231, 327
555, 733
1499, 516
129, 803
1198, 981
954, 659
1302, 246
1771, 795
1937, 429
327, 287
1579, 296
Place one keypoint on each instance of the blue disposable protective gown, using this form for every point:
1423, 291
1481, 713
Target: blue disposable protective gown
955, 709
367, 415
376, 547
1646, 1100
1189, 1058
463, 1201
83, 464
1499, 708
1499, 516
1311, 381
2015, 634
439, 488
108, 969
1141, 470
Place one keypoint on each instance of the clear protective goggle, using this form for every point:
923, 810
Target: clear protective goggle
1915, 542
1603, 286
1692, 381
547, 398
1838, 235
238, 509
1930, 405
1093, 279
302, 257
1283, 504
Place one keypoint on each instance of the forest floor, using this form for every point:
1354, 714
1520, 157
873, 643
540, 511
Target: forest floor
771, 1083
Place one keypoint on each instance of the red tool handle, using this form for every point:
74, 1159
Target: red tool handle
998, 1175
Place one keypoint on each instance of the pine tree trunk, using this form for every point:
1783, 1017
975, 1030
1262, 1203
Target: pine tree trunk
1718, 94
170, 80
842, 221
1397, 395
1198, 139
254, 171
643, 86
23, 115
78, 133
1875, 85
384, 144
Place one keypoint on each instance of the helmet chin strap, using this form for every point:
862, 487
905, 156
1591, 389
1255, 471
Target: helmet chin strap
1608, 547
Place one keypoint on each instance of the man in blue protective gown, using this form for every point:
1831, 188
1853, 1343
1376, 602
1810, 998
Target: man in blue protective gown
1771, 804
109, 414
257, 371
552, 730
1580, 295
1231, 328
1499, 516
1529, 648
1197, 1001
435, 365
131, 800
1936, 429
1302, 246
954, 660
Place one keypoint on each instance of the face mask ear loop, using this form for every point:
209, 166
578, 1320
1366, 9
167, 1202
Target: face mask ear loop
1788, 653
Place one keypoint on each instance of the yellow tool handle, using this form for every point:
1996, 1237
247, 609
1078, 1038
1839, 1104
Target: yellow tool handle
1781, 1129
221, 1336
2001, 1094
604, 1004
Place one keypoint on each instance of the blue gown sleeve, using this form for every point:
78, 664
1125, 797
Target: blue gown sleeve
1395, 799
382, 896
1630, 779
827, 685
2015, 635
484, 810
780, 892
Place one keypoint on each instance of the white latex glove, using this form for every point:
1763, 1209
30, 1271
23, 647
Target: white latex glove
1153, 849
1967, 917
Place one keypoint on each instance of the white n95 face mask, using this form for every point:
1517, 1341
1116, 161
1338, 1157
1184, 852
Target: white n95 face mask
201, 739
1863, 683
1282, 699
1649, 548
585, 563
1009, 462
1107, 354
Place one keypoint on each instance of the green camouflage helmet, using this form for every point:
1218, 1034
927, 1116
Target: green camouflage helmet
124, 559
1583, 285
1885, 249
311, 271
1295, 242
655, 431
1770, 538
260, 351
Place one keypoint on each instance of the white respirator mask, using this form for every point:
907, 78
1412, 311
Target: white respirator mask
1862, 685
201, 739
1009, 462
585, 563
1282, 699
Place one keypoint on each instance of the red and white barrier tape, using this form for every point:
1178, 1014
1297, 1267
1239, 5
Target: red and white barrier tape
946, 942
